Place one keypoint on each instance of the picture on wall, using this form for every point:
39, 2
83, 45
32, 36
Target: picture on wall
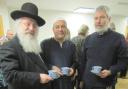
1, 27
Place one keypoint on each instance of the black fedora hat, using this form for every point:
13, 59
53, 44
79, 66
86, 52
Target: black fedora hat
28, 10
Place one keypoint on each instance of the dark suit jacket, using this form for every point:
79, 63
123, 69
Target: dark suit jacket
108, 51
21, 69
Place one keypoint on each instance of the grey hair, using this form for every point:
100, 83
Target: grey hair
104, 9
83, 29
60, 19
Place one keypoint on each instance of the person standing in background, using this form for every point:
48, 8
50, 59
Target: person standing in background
59, 53
112, 26
123, 72
9, 36
78, 41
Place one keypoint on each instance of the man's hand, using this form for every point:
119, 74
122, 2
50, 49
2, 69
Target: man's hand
44, 78
57, 70
105, 73
71, 71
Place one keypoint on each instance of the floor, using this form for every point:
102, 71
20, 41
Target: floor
122, 84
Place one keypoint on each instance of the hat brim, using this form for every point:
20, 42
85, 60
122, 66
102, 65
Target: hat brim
18, 14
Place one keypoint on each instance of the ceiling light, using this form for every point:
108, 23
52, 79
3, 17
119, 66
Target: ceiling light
84, 10
123, 3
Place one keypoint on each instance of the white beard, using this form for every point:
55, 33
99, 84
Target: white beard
29, 42
101, 30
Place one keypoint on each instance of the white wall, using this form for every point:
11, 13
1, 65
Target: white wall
73, 20
120, 22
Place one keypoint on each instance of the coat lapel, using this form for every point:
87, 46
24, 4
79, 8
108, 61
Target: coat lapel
37, 60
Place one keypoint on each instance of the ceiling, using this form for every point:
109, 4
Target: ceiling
118, 7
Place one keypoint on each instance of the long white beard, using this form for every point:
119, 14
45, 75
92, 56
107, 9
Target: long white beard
29, 42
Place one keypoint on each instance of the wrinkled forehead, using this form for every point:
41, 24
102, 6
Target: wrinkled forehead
27, 19
100, 13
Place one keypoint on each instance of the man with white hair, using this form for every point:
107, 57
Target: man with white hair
59, 53
103, 54
21, 64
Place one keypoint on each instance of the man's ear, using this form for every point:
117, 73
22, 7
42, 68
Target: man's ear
109, 18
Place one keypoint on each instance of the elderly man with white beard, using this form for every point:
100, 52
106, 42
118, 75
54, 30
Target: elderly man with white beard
21, 64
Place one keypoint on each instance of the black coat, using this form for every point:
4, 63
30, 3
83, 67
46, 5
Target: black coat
107, 50
64, 56
21, 69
